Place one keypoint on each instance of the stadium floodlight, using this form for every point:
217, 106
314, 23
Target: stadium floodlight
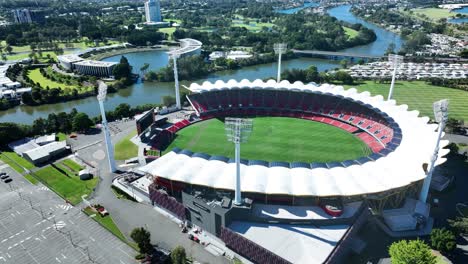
175, 55
238, 131
394, 60
441, 116
102, 92
279, 48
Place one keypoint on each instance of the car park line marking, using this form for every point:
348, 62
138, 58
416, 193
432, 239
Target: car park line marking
65, 257
71, 222
4, 240
43, 236
4, 260
92, 238
58, 260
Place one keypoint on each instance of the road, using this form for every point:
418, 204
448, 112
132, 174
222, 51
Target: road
129, 215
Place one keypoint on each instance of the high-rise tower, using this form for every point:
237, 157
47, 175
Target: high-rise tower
153, 11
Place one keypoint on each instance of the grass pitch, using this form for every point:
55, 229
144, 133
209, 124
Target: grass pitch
275, 139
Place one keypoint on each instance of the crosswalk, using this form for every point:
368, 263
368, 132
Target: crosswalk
65, 207
60, 225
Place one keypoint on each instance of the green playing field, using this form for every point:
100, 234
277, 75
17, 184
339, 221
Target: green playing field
275, 139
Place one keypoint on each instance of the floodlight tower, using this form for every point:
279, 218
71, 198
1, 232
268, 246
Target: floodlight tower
441, 116
279, 48
394, 60
102, 92
238, 131
175, 55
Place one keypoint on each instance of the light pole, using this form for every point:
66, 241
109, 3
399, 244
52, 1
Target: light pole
102, 92
174, 55
279, 48
238, 131
441, 116
394, 60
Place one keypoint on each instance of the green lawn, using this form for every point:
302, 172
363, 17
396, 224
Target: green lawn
275, 139
125, 149
169, 31
36, 76
433, 13
15, 161
419, 96
75, 167
351, 32
70, 188
106, 222
61, 136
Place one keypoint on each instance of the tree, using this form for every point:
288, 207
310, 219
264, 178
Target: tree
390, 49
8, 49
143, 238
122, 69
411, 252
10, 40
443, 240
344, 77
344, 64
122, 110
460, 224
464, 53
39, 126
81, 122
168, 100
178, 255
11, 132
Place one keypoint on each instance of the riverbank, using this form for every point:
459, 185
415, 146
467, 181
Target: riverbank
105, 55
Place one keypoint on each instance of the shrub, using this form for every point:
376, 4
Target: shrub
443, 240
411, 252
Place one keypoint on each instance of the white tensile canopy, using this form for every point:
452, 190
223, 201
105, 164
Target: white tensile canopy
399, 168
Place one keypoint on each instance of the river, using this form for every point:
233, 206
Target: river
150, 92
464, 11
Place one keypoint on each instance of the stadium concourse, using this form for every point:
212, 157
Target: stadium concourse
294, 201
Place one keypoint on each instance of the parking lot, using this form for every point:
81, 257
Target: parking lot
37, 227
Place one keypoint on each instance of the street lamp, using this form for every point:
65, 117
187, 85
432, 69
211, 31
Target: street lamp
394, 60
102, 92
279, 48
238, 131
175, 55
441, 116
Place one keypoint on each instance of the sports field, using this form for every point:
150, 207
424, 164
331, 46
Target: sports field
275, 139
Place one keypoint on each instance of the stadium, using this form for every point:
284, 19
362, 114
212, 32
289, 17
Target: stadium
317, 158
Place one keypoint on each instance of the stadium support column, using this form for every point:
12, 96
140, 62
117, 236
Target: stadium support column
238, 131
279, 48
394, 60
441, 116
237, 195
110, 149
176, 80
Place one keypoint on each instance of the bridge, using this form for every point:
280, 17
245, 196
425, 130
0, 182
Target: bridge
335, 54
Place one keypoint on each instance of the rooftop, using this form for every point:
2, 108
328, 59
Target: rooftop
96, 63
69, 58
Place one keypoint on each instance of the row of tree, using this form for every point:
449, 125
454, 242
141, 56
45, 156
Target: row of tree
312, 75
64, 122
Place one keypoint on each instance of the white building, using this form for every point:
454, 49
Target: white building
67, 61
96, 68
153, 11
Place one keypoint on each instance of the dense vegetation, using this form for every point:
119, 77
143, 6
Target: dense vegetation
64, 122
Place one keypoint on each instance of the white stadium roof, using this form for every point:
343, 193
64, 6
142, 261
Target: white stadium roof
399, 168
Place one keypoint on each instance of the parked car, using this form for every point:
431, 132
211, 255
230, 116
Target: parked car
332, 206
4, 176
2, 173
7, 180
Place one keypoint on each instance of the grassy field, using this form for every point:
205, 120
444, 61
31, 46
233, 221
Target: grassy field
36, 76
433, 13
419, 96
75, 167
125, 149
15, 161
31, 179
249, 23
169, 31
351, 32
106, 222
70, 188
275, 139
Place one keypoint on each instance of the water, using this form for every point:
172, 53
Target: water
297, 9
376, 48
463, 10
150, 92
